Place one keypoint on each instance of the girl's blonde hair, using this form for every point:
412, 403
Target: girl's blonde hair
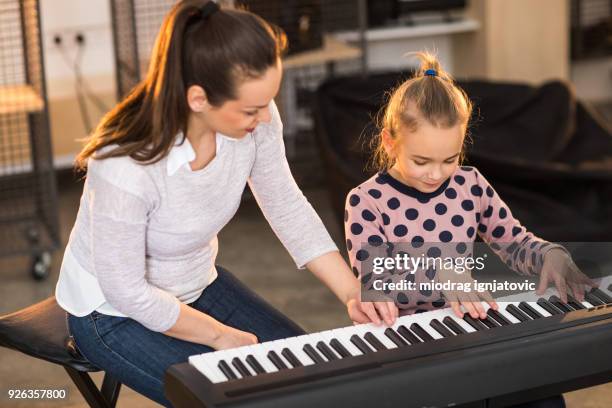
431, 96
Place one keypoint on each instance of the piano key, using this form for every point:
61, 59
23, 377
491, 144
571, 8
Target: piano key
498, 317
326, 351
410, 337
592, 299
213, 373
254, 364
556, 302
213, 359
340, 349
313, 354
344, 337
475, 323
421, 332
296, 344
260, 352
360, 344
227, 370
517, 313
610, 288
241, 368
440, 328
490, 323
549, 307
394, 337
601, 295
276, 360
574, 304
452, 324
530, 310
374, 342
291, 358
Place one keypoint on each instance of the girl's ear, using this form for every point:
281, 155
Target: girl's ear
196, 98
388, 142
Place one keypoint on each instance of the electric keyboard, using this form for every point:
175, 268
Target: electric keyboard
523, 351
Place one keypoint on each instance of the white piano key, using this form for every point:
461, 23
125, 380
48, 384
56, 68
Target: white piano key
539, 309
344, 337
206, 367
296, 344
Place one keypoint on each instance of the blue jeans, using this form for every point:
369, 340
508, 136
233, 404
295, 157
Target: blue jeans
139, 357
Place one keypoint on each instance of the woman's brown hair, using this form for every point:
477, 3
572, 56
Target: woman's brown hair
431, 96
215, 51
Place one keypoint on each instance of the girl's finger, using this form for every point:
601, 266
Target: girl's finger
470, 309
370, 311
457, 309
562, 288
543, 285
384, 311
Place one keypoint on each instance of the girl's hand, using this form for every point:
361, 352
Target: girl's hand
230, 337
366, 312
470, 300
559, 268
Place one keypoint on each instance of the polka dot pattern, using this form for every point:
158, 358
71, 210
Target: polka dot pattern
380, 211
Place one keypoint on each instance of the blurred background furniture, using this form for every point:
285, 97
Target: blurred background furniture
547, 154
28, 203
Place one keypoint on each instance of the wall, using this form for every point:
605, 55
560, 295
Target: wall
66, 18
520, 40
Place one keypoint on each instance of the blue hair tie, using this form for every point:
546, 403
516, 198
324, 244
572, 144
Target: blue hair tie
431, 72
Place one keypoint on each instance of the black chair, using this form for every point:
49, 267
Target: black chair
41, 331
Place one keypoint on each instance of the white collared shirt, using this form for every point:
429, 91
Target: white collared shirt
145, 236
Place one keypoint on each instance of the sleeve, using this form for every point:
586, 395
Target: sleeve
283, 204
120, 201
520, 249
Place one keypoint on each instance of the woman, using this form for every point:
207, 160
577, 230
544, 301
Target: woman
166, 169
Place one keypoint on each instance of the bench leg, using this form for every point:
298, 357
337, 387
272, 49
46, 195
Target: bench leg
96, 399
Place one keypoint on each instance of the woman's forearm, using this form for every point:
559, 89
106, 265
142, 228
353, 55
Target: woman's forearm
332, 270
196, 327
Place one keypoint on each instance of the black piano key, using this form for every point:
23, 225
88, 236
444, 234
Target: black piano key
610, 288
498, 317
453, 325
517, 313
440, 328
408, 335
276, 360
360, 344
490, 323
592, 299
395, 338
252, 361
419, 331
530, 311
554, 300
291, 358
227, 370
241, 367
326, 351
340, 349
574, 304
371, 338
312, 353
549, 307
601, 295
475, 323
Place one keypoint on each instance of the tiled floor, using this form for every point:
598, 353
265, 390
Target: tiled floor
249, 248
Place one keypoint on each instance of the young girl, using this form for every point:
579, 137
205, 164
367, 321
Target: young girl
422, 195
166, 169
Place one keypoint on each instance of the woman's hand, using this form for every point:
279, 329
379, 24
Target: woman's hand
366, 312
229, 337
559, 268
